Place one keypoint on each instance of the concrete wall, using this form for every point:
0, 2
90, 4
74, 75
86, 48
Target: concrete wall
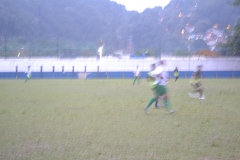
116, 65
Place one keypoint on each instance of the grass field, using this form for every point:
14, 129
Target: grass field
105, 120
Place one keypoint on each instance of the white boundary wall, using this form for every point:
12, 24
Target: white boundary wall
114, 64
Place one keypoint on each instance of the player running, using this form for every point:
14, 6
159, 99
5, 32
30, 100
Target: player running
151, 81
136, 75
159, 88
196, 83
176, 74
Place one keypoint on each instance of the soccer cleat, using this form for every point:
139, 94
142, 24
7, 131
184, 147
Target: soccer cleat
146, 111
202, 97
172, 111
157, 107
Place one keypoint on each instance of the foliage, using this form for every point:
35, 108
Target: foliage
202, 25
198, 45
206, 53
234, 40
85, 23
222, 49
233, 43
236, 2
181, 53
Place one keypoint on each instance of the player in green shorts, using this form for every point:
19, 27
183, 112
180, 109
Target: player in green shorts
151, 80
159, 88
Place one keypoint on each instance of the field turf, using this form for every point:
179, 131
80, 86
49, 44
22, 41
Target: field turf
103, 119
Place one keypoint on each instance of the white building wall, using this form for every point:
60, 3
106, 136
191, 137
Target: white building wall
114, 64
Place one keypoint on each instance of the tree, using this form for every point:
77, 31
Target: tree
37, 24
236, 2
234, 41
202, 26
233, 44
199, 45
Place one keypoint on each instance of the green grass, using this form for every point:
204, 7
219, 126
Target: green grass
105, 120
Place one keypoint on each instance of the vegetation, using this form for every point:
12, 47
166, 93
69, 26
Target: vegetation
236, 2
233, 44
104, 119
79, 27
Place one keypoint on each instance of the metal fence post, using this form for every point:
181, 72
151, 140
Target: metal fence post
72, 71
16, 72
53, 70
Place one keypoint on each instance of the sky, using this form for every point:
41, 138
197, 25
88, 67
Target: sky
141, 5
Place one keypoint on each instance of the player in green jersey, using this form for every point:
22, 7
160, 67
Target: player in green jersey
176, 74
195, 82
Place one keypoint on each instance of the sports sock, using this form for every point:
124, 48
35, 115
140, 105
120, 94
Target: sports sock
150, 103
156, 103
167, 105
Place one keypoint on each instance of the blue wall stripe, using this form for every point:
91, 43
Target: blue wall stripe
92, 75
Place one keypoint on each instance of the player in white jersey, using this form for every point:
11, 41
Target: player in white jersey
136, 76
159, 88
29, 73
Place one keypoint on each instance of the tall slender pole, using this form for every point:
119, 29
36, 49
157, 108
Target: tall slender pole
57, 47
5, 48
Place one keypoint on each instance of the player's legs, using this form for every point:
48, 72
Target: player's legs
151, 102
176, 78
26, 79
195, 87
199, 88
167, 104
138, 79
135, 79
165, 97
152, 99
156, 102
160, 91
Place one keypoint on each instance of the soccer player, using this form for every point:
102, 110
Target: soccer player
176, 74
136, 75
151, 80
196, 83
28, 72
159, 88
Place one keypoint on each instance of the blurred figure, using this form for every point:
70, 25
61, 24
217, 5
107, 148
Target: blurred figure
176, 74
196, 83
151, 80
159, 88
136, 76
100, 51
28, 72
